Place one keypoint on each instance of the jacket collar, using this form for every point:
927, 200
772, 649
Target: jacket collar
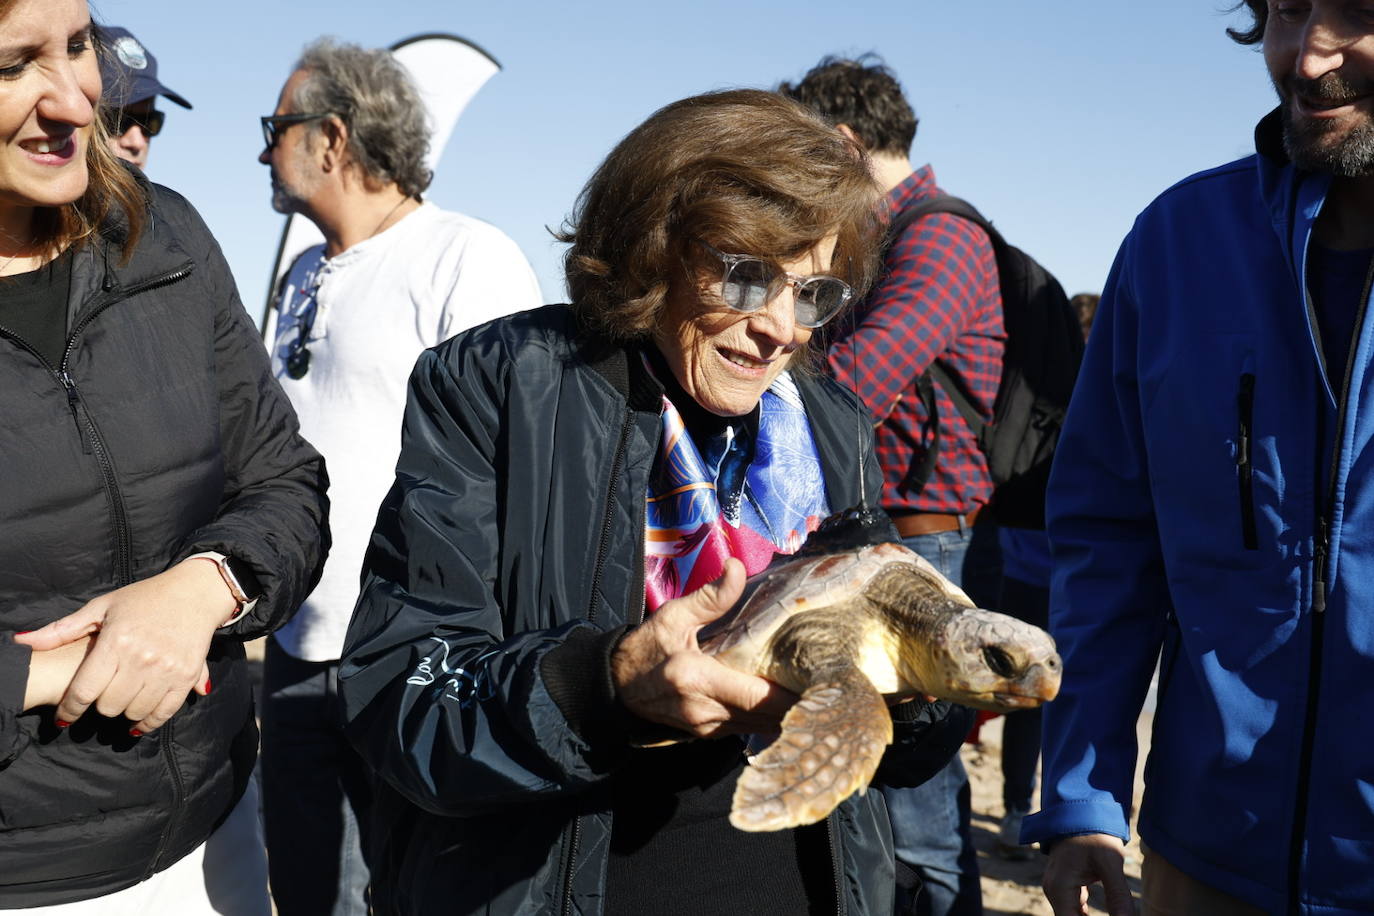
1294, 197
621, 366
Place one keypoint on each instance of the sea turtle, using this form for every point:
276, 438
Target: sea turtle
852, 621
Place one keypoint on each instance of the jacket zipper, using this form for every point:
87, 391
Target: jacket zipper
92, 442
836, 867
71, 401
123, 537
164, 738
574, 840
1245, 404
1321, 554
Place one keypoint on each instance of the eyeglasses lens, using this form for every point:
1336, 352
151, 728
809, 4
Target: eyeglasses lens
747, 284
819, 299
151, 122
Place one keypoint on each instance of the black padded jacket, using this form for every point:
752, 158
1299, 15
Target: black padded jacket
506, 561
160, 433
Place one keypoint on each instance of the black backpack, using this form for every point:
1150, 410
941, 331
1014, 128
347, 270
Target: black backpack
1044, 350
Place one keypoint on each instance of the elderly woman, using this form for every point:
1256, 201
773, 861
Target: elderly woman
580, 489
157, 508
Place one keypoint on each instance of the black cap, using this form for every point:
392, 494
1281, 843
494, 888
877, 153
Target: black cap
129, 70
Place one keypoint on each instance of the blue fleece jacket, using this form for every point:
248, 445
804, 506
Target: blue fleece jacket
1212, 507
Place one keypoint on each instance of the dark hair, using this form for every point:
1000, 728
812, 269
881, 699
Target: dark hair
1085, 307
1259, 10
372, 93
745, 170
112, 193
862, 94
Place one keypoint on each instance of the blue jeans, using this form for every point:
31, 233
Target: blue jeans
930, 823
316, 792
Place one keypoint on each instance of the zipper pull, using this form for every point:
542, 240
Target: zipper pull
73, 399
1319, 571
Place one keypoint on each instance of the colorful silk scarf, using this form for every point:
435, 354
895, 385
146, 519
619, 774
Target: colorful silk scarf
743, 493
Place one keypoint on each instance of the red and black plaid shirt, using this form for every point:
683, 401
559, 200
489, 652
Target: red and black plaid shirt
938, 300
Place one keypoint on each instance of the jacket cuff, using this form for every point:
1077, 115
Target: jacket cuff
1076, 818
577, 676
925, 737
14, 683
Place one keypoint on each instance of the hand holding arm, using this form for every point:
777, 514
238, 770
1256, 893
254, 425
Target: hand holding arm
51, 672
661, 675
1079, 861
154, 636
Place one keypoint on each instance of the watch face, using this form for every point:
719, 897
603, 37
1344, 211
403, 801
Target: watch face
246, 578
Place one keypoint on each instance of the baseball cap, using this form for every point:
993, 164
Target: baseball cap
129, 70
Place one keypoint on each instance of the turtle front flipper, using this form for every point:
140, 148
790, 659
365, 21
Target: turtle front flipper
830, 745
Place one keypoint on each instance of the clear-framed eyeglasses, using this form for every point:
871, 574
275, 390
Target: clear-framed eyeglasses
749, 283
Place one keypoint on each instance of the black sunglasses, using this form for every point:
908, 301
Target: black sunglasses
274, 125
297, 355
120, 120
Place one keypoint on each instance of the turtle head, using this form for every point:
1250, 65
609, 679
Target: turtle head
988, 661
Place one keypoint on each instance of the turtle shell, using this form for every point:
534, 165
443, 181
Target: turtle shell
803, 583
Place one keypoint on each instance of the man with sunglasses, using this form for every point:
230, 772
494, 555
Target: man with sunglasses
938, 300
128, 72
396, 275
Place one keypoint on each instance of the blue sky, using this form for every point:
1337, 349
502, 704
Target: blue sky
1060, 120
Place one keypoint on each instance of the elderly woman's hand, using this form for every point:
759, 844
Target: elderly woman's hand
149, 654
662, 675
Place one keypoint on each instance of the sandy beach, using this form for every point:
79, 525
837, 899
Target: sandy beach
1012, 888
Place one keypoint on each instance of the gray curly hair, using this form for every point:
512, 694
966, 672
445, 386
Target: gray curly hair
371, 92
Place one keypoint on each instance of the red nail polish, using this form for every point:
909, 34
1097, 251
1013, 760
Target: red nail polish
60, 724
23, 633
136, 733
207, 685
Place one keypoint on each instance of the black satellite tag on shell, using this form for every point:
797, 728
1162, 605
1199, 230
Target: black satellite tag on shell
857, 526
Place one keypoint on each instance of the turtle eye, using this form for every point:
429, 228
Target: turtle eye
999, 661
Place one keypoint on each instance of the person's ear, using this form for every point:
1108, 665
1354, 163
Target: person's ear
849, 132
335, 135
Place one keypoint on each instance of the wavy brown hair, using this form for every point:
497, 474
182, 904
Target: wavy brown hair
113, 199
745, 170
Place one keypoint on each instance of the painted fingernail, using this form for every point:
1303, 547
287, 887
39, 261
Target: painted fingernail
23, 633
207, 685
136, 733
61, 724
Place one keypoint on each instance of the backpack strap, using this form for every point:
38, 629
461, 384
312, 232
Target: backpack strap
919, 474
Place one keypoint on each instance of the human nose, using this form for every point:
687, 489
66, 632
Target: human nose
66, 99
134, 139
1322, 45
777, 321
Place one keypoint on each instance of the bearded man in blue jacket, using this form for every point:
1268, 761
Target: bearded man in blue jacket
1212, 507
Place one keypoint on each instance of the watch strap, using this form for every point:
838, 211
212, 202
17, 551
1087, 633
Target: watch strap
242, 602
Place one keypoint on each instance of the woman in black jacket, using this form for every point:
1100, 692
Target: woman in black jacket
580, 488
157, 506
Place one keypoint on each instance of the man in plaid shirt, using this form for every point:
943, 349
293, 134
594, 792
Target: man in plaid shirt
939, 300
